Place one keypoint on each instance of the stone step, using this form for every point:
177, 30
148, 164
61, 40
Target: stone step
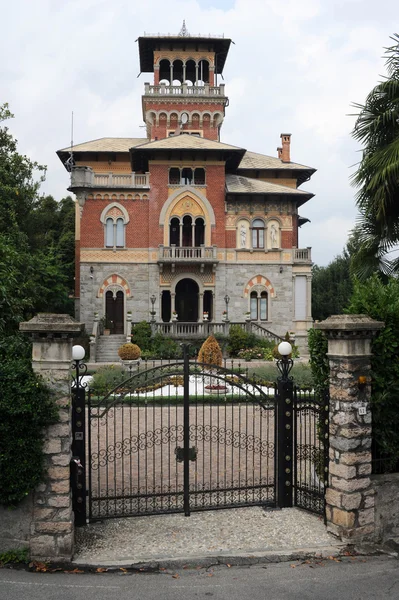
107, 347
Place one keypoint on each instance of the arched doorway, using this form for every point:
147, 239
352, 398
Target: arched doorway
186, 300
114, 312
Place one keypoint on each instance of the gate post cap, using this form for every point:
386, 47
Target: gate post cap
350, 323
52, 325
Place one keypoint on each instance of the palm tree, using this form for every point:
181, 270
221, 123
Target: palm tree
377, 128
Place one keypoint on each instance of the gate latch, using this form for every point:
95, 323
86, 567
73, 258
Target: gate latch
192, 453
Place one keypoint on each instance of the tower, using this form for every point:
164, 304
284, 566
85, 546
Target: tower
186, 95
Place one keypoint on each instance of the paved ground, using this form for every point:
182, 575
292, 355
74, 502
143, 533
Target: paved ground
349, 578
218, 534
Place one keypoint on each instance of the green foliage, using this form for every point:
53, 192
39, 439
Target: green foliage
26, 408
106, 379
36, 240
301, 373
318, 347
239, 339
377, 176
331, 288
381, 302
17, 555
141, 334
164, 347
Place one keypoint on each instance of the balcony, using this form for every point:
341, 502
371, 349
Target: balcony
184, 90
302, 255
85, 177
200, 255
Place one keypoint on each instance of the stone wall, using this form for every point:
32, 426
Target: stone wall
386, 498
15, 525
51, 535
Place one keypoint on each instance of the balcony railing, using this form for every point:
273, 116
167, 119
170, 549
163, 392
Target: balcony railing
131, 180
187, 254
85, 177
302, 255
183, 90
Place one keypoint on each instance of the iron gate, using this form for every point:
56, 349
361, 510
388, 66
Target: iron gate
180, 437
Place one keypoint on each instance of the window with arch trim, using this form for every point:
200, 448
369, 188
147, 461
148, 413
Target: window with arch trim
114, 233
258, 234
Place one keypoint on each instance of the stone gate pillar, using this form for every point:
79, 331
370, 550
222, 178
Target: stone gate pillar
350, 495
52, 533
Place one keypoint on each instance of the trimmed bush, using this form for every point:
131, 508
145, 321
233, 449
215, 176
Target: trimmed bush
210, 352
129, 352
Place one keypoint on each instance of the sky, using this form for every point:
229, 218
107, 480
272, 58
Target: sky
295, 67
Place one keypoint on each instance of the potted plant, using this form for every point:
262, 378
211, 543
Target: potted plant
247, 315
174, 316
205, 316
105, 328
224, 315
129, 354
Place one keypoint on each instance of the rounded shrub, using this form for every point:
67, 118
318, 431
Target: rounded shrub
129, 352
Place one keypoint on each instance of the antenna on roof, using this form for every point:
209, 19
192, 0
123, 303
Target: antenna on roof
69, 163
183, 31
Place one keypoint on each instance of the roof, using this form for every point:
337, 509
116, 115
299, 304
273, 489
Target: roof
187, 142
106, 144
232, 155
253, 160
237, 184
148, 43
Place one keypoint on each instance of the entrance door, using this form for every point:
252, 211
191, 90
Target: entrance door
186, 300
114, 312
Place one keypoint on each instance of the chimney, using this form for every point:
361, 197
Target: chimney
279, 152
286, 142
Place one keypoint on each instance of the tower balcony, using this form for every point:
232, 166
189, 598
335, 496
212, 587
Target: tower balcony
184, 90
198, 255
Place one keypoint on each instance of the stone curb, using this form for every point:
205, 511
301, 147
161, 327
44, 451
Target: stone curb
222, 558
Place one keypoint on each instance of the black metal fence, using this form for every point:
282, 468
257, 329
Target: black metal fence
182, 436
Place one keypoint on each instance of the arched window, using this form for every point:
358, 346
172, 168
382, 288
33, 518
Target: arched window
120, 233
258, 234
174, 232
199, 232
109, 233
258, 306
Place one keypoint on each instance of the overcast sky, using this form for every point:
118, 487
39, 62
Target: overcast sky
295, 66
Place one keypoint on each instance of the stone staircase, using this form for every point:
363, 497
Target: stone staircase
107, 347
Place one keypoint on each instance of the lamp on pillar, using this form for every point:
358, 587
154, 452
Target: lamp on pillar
227, 300
284, 364
285, 422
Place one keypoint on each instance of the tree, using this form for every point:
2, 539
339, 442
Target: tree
36, 250
332, 286
377, 128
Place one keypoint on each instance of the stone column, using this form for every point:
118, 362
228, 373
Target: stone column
52, 532
350, 495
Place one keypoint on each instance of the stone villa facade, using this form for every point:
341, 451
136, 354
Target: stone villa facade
183, 217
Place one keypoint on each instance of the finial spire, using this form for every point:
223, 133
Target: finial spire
183, 30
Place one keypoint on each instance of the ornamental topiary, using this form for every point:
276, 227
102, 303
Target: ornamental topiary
129, 352
210, 352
